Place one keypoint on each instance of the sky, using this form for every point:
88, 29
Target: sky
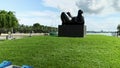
99, 14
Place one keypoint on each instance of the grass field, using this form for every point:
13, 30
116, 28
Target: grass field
93, 51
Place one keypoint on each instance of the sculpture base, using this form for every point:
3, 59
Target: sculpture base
71, 30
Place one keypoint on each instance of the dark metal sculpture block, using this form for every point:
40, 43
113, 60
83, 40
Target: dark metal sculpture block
72, 26
72, 31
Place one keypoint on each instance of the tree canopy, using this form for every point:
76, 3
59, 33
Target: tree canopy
118, 28
8, 19
9, 22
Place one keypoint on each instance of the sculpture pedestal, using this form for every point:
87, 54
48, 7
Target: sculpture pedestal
71, 30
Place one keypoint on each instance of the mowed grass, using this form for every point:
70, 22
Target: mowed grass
93, 51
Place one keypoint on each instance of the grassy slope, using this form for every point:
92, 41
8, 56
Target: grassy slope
55, 52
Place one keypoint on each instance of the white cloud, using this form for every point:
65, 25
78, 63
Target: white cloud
99, 6
103, 9
42, 17
88, 6
63, 5
102, 23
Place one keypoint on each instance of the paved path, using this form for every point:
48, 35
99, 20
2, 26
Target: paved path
21, 35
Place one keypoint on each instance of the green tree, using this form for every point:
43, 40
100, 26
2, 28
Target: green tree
37, 28
37, 25
24, 28
8, 20
3, 20
118, 27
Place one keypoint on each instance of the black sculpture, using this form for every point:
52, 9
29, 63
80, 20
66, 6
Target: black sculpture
67, 19
72, 26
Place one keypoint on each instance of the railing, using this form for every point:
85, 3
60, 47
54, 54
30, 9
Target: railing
108, 33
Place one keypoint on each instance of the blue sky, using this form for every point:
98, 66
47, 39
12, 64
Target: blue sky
21, 5
98, 14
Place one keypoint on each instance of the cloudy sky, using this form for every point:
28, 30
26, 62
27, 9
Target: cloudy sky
98, 14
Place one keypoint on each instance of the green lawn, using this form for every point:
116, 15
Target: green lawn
93, 51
